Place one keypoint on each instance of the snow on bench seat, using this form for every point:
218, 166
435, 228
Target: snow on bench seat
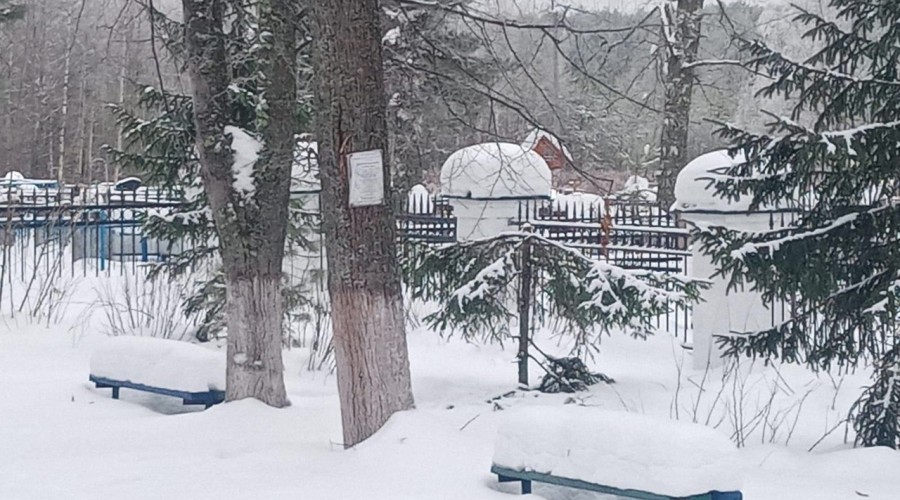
154, 362
622, 450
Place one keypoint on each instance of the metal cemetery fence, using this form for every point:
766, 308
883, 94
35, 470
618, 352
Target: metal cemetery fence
81, 231
633, 235
71, 231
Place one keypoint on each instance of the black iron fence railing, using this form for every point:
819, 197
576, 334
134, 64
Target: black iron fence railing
87, 229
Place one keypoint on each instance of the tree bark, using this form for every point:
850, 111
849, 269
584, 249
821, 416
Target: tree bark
64, 112
363, 275
681, 39
525, 289
120, 134
251, 228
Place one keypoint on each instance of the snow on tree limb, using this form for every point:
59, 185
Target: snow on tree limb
472, 282
246, 149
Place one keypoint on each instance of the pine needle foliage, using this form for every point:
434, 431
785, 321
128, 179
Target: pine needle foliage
835, 161
876, 415
159, 143
474, 284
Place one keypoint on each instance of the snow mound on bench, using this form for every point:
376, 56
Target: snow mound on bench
169, 364
623, 450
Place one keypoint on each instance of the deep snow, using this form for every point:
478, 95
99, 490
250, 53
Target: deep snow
628, 451
61, 438
170, 364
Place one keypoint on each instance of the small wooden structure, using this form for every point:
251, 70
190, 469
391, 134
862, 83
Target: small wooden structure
548, 147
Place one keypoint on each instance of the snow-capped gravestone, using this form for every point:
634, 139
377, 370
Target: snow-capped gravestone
719, 312
486, 183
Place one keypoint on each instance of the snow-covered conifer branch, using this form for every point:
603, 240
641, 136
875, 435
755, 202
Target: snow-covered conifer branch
473, 282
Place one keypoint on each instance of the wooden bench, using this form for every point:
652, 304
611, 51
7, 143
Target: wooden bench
505, 475
616, 453
206, 399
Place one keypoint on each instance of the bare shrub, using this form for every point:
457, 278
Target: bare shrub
131, 304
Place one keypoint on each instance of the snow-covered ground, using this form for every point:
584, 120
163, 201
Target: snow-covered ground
61, 438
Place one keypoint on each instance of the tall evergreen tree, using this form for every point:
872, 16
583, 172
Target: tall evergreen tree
838, 264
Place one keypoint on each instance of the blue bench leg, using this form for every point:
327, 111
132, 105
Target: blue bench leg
115, 392
526, 487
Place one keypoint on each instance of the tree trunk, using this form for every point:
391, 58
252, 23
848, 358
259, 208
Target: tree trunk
64, 119
363, 275
525, 289
90, 148
120, 133
82, 127
251, 226
681, 39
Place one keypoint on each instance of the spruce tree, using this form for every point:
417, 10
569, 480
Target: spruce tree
475, 285
835, 160
159, 134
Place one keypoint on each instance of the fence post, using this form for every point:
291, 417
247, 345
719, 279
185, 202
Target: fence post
525, 283
102, 239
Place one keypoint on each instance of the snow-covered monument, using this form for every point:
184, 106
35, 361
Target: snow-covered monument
486, 183
720, 312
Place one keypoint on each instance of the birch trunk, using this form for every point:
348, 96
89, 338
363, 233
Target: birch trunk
82, 128
681, 40
251, 228
121, 100
64, 121
92, 124
363, 276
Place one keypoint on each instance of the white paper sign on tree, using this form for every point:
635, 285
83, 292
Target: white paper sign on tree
366, 178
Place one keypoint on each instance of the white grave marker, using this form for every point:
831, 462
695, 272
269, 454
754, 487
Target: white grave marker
366, 178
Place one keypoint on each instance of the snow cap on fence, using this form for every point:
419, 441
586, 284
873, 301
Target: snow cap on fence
495, 170
695, 188
13, 175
